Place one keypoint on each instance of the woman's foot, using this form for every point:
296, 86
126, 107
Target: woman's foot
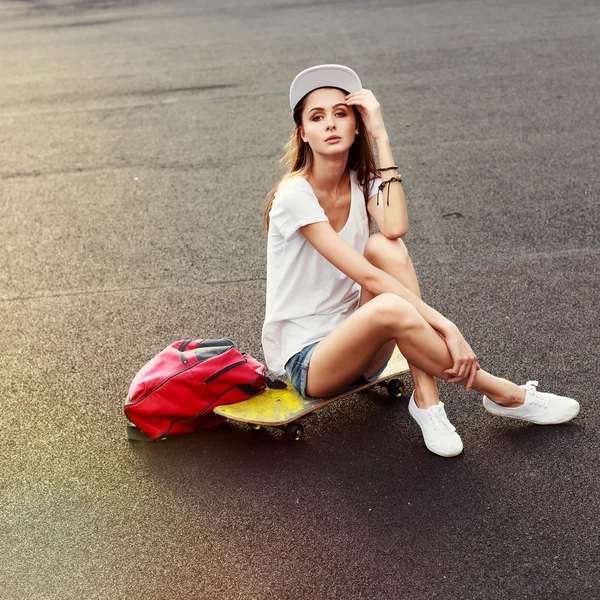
439, 434
538, 407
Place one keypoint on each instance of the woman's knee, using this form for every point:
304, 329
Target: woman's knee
390, 310
381, 251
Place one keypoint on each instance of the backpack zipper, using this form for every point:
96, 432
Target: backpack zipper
174, 422
228, 368
237, 364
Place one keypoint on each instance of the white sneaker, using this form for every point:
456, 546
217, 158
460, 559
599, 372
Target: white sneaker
439, 434
539, 407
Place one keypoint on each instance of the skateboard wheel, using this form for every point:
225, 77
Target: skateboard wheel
293, 431
255, 427
395, 388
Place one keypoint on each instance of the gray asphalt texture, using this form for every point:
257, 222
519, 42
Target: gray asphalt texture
137, 143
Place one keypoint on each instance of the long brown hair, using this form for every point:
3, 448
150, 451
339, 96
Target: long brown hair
299, 158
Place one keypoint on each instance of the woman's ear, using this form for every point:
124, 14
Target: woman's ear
302, 134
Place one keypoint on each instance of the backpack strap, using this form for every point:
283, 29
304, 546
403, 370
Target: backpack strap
275, 384
249, 390
184, 345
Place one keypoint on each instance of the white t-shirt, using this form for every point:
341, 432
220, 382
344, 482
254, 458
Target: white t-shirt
307, 297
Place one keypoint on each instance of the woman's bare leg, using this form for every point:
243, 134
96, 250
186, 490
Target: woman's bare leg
392, 257
344, 354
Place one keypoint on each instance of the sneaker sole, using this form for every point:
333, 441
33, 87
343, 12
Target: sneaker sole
445, 454
565, 420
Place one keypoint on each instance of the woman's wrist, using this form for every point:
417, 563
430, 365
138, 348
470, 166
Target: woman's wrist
384, 152
382, 137
447, 327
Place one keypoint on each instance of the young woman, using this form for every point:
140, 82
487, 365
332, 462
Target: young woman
340, 299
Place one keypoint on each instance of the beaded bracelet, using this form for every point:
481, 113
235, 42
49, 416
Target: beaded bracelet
387, 168
382, 185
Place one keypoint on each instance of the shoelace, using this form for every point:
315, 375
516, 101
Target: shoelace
439, 419
533, 397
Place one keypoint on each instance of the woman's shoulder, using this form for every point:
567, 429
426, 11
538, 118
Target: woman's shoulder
292, 186
295, 182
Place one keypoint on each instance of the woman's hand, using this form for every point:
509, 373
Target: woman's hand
369, 110
464, 360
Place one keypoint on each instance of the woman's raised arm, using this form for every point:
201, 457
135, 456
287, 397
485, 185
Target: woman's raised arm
389, 207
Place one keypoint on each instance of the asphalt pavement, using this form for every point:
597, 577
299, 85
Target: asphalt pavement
137, 143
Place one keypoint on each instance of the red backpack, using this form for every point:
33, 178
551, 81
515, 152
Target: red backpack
177, 390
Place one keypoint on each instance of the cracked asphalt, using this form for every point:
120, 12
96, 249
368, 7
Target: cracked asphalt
138, 140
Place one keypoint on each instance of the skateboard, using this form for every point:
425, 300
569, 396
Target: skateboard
283, 407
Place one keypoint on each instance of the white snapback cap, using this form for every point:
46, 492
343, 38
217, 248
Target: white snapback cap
320, 76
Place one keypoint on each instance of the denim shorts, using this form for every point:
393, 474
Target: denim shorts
297, 371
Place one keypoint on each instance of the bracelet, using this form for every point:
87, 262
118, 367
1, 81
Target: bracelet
382, 185
387, 168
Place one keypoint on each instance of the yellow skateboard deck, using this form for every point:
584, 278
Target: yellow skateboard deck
278, 407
